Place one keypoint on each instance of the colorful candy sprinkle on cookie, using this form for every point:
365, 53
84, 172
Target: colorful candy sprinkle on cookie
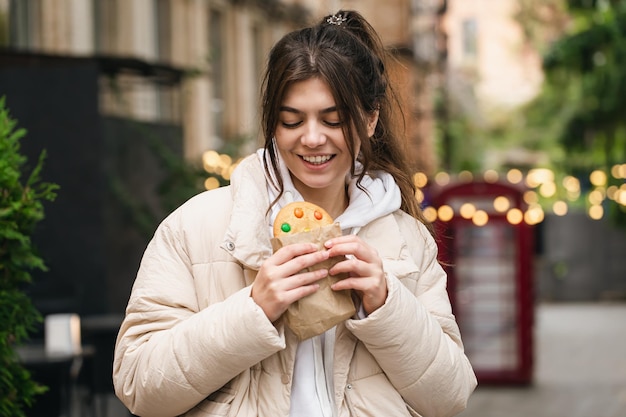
300, 216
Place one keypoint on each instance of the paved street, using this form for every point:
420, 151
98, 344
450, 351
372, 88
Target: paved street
580, 367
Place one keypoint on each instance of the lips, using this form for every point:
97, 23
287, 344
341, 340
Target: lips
316, 159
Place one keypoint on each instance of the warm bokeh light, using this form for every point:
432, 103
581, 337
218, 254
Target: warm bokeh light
430, 214
466, 176
226, 160
501, 204
544, 191
445, 213
419, 196
227, 172
514, 216
211, 183
420, 179
611, 192
560, 208
596, 197
514, 176
615, 171
467, 210
534, 215
480, 218
538, 176
620, 197
491, 176
547, 189
442, 178
219, 164
618, 171
571, 183
598, 178
596, 212
573, 195
572, 187
531, 197
211, 160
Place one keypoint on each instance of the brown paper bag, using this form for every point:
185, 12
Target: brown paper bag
320, 311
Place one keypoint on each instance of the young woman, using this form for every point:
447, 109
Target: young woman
203, 334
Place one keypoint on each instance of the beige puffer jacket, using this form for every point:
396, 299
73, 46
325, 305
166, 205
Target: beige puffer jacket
194, 343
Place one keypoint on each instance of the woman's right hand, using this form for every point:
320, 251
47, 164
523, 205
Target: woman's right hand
279, 282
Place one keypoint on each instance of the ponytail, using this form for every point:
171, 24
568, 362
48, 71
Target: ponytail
344, 51
385, 149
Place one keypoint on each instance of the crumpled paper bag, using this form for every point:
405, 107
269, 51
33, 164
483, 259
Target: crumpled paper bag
314, 314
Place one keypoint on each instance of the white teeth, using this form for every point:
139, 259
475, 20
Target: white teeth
318, 159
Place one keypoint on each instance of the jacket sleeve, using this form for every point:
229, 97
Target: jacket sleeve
169, 354
414, 336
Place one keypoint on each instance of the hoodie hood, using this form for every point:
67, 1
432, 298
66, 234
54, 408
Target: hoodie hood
378, 195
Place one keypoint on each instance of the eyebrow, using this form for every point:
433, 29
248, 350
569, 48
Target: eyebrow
292, 110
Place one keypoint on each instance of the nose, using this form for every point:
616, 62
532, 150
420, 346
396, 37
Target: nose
313, 136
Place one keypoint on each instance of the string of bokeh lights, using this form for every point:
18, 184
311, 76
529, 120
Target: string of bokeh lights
543, 191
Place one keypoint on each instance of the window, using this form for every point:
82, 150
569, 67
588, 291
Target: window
167, 96
428, 6
105, 26
24, 24
259, 55
163, 30
216, 61
470, 34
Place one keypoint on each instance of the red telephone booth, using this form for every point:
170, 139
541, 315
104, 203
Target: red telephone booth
488, 252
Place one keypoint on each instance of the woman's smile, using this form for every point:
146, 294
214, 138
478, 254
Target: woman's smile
311, 142
317, 160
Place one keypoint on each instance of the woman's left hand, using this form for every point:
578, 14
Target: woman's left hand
364, 267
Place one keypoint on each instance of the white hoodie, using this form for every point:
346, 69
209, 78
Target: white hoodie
312, 384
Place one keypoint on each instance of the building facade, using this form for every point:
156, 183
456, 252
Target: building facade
220, 46
491, 68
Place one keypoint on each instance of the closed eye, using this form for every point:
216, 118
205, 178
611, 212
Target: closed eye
291, 125
333, 124
327, 112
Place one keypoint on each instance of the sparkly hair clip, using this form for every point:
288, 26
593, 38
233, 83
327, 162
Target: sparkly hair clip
336, 19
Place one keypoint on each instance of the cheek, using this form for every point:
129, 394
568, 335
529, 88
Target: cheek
283, 139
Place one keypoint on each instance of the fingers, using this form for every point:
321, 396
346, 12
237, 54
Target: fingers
364, 268
361, 259
289, 251
280, 282
291, 259
355, 267
300, 285
352, 245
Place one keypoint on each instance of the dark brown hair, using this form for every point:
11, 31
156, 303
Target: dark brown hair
350, 58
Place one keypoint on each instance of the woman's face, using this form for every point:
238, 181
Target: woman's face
310, 139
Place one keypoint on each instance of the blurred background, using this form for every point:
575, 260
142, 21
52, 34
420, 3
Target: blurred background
515, 125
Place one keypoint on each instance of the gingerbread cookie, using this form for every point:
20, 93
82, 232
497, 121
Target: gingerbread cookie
300, 216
